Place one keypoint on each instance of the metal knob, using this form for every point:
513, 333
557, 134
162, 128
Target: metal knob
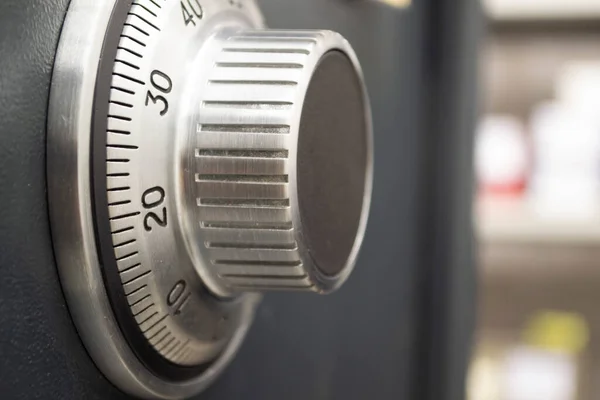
282, 160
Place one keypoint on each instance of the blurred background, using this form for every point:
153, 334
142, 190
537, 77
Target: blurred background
537, 162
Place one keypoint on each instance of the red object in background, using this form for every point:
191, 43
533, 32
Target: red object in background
501, 157
500, 189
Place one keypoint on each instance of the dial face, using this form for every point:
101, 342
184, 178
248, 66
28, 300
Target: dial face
171, 318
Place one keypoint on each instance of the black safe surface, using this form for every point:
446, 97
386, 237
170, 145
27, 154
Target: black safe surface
400, 327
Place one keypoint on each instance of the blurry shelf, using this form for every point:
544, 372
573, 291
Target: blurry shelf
531, 10
539, 262
516, 243
516, 221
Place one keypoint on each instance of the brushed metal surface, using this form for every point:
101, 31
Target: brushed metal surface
246, 132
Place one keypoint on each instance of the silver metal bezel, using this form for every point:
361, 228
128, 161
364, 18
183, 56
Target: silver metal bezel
70, 200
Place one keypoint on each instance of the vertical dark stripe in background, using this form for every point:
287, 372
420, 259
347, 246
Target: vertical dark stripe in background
447, 282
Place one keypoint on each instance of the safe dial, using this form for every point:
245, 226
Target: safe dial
196, 159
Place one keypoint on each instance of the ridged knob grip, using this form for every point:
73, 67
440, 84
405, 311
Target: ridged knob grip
283, 160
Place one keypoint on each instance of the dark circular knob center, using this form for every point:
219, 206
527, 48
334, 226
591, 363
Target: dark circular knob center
332, 161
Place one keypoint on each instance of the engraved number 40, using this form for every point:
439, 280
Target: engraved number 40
196, 11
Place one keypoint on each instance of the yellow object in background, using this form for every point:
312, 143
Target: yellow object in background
397, 3
558, 331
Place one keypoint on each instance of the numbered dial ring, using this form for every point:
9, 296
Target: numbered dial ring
172, 318
236, 161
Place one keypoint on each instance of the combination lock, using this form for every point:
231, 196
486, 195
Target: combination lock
195, 160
